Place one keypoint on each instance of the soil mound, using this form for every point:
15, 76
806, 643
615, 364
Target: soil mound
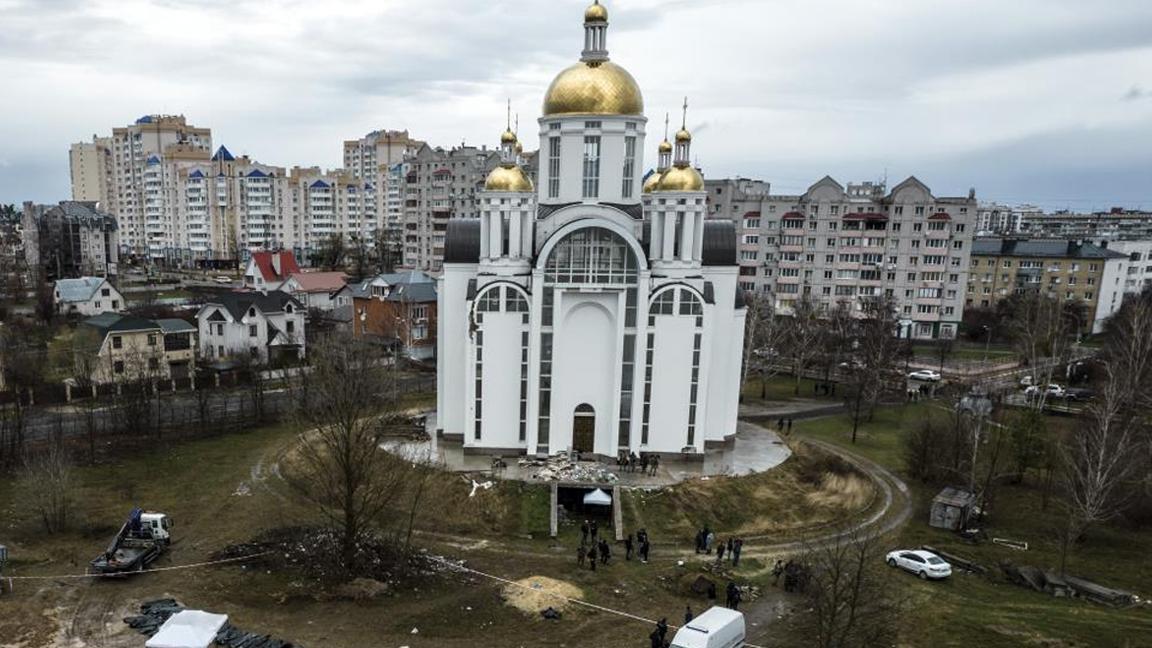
536, 593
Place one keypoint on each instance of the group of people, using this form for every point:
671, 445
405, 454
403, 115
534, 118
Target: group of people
784, 425
593, 548
733, 596
646, 463
706, 540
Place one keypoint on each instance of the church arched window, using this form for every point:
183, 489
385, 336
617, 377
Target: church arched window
592, 255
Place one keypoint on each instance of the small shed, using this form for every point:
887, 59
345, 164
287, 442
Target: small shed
951, 508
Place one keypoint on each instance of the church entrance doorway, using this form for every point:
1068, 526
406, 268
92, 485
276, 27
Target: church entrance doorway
584, 429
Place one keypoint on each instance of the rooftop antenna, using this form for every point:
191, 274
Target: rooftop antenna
665, 126
508, 115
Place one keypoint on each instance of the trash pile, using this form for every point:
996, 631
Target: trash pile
562, 468
153, 614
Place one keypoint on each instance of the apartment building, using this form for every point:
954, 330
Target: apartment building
439, 185
377, 159
837, 243
995, 218
1062, 269
1138, 274
71, 239
90, 165
1114, 224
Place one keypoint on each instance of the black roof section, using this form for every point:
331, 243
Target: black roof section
719, 243
462, 241
116, 323
238, 303
1043, 248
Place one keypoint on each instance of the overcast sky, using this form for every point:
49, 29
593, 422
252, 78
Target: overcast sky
1046, 101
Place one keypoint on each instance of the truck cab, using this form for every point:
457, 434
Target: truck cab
155, 526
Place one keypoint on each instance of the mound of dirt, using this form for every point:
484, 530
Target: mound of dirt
535, 593
849, 492
363, 589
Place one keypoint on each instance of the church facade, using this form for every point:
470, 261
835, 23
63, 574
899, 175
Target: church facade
599, 311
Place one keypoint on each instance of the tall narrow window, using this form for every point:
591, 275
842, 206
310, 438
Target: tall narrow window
629, 166
553, 167
591, 166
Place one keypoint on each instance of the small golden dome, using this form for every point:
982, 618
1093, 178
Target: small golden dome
519, 147
652, 182
681, 178
603, 89
508, 137
683, 135
508, 178
665, 147
596, 12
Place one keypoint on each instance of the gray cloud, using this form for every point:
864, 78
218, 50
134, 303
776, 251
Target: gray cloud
788, 89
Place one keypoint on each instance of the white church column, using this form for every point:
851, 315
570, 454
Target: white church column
494, 234
514, 234
669, 242
687, 233
485, 218
698, 253
656, 245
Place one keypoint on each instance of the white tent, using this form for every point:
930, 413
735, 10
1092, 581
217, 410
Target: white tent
598, 498
188, 629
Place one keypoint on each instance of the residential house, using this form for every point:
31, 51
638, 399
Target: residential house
87, 296
269, 270
266, 327
399, 306
129, 349
315, 290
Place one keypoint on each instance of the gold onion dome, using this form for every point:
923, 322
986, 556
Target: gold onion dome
594, 89
652, 182
508, 137
680, 178
665, 147
596, 12
519, 147
683, 135
508, 178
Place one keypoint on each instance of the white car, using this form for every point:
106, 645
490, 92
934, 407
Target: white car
223, 280
1053, 391
927, 375
924, 564
1026, 381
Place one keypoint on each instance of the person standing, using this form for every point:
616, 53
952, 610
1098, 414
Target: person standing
592, 557
719, 553
584, 532
662, 628
580, 556
654, 638
655, 464
737, 596
729, 545
688, 616
737, 547
644, 548
605, 552
628, 547
709, 540
789, 425
699, 540
730, 594
777, 570
644, 463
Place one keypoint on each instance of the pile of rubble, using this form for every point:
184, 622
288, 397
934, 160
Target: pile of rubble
153, 614
562, 468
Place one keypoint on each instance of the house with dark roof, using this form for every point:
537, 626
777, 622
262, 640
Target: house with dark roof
399, 307
115, 348
1070, 270
269, 270
263, 327
87, 296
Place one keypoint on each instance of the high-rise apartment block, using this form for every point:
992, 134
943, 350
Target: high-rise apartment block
69, 240
90, 164
843, 244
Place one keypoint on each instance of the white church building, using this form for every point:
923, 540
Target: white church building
599, 311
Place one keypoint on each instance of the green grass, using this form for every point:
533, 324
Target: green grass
986, 610
780, 388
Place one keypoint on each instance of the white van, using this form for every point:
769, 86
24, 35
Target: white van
717, 627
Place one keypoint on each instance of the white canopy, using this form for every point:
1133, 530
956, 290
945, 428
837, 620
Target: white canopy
598, 497
188, 629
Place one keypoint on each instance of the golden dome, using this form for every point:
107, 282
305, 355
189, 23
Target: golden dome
680, 178
683, 135
665, 147
596, 12
603, 89
508, 137
652, 182
508, 178
519, 147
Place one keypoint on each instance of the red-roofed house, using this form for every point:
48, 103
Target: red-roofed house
269, 270
315, 289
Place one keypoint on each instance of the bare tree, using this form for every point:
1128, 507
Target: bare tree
1042, 329
802, 334
1101, 456
852, 602
50, 486
763, 335
876, 351
343, 470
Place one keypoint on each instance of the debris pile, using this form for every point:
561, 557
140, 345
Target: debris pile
1051, 582
153, 614
562, 468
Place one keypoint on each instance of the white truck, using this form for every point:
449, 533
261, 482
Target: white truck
717, 627
142, 539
